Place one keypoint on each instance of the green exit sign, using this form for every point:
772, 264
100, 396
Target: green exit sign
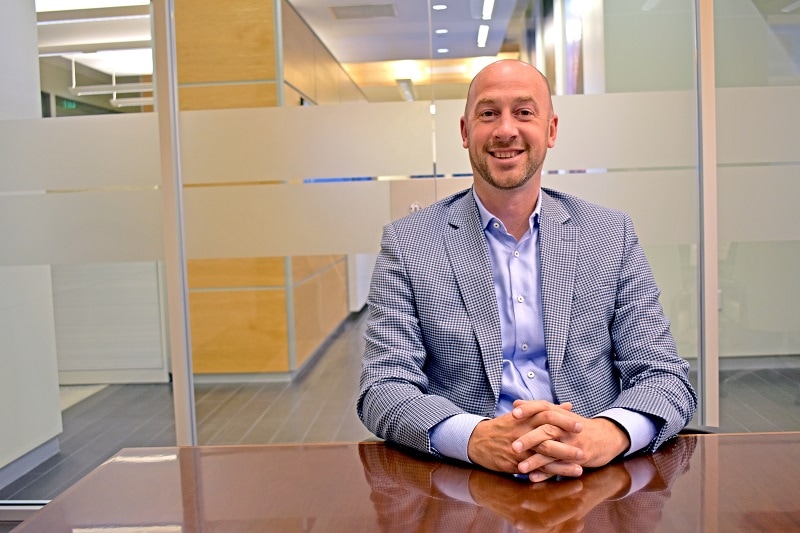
69, 104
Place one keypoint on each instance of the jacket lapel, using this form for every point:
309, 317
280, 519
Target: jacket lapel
558, 252
469, 258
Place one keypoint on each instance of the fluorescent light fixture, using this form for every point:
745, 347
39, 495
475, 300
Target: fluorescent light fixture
89, 90
130, 102
441, 31
488, 7
406, 90
442, 50
69, 5
438, 7
791, 7
91, 20
483, 34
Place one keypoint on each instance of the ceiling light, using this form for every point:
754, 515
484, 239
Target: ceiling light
441, 31
488, 7
406, 90
131, 102
791, 7
438, 7
69, 5
483, 34
442, 50
88, 90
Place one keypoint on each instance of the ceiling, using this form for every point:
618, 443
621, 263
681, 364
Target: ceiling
377, 41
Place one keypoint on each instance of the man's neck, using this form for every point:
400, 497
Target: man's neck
513, 207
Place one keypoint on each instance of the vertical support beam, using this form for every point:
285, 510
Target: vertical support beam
707, 253
166, 92
560, 46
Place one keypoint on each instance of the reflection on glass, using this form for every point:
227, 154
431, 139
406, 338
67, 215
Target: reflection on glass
758, 87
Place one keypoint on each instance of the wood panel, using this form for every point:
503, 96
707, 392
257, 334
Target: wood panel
320, 306
239, 331
227, 96
242, 272
225, 41
305, 266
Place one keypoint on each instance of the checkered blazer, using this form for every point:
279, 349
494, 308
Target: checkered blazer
433, 346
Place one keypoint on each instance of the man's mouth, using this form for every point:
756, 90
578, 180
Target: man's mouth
505, 154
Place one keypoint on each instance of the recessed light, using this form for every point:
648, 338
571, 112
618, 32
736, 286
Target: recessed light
441, 31
438, 7
442, 50
483, 34
488, 7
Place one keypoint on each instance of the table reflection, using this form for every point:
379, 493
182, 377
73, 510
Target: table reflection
411, 492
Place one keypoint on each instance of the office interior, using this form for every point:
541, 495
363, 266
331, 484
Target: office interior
193, 232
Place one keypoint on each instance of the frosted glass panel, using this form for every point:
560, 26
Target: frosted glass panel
77, 153
288, 219
88, 227
348, 140
758, 124
608, 131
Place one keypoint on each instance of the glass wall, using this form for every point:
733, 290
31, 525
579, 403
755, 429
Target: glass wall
83, 340
300, 132
301, 137
758, 124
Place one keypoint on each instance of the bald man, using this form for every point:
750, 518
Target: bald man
516, 327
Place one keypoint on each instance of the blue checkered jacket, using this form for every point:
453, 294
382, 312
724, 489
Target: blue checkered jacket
433, 346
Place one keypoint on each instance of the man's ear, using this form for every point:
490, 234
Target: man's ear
464, 134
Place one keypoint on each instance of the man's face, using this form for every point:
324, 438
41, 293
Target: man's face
508, 125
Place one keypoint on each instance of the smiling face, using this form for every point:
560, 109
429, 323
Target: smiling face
508, 125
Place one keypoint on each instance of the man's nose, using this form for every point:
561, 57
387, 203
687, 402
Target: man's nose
506, 127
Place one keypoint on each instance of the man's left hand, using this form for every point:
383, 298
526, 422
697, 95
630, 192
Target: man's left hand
600, 440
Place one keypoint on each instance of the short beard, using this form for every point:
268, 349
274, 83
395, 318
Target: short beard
483, 169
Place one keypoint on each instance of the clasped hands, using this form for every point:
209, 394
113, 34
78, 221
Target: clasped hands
542, 440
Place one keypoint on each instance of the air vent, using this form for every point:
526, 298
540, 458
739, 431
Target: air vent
369, 11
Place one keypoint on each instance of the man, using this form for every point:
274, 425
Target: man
516, 327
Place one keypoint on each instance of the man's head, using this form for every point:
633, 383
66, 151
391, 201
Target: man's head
508, 125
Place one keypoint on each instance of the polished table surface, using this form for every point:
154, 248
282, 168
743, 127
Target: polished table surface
726, 482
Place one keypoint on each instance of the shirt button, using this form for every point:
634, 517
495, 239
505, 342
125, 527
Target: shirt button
496, 225
520, 299
516, 253
524, 346
531, 374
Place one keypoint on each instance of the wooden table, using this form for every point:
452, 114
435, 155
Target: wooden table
728, 482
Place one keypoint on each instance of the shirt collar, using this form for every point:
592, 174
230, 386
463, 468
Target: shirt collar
487, 217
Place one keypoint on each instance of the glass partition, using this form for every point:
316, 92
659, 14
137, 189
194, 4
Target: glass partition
758, 124
303, 136
84, 329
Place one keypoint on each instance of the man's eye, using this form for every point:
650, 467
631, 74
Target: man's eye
487, 113
525, 112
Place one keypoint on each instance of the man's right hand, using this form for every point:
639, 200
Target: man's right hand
490, 443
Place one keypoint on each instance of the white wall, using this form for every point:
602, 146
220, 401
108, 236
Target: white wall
30, 416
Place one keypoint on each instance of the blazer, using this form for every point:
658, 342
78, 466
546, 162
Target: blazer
433, 346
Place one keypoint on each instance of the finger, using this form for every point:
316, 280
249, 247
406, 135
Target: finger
561, 468
535, 437
529, 408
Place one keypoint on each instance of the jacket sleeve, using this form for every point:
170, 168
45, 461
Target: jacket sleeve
394, 400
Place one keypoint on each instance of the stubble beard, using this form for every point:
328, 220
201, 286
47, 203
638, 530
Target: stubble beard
482, 167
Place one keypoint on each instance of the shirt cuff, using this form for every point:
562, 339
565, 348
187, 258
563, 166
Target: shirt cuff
641, 429
451, 436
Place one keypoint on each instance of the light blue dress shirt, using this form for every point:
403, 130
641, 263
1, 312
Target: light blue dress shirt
525, 369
